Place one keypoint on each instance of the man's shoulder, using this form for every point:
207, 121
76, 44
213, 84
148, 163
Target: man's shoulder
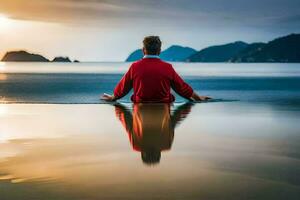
158, 61
165, 63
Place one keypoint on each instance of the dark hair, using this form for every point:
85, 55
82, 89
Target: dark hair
151, 157
152, 45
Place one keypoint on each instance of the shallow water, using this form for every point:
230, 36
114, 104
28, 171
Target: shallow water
82, 83
246, 145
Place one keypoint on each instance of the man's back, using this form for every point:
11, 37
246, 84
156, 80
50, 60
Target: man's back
151, 80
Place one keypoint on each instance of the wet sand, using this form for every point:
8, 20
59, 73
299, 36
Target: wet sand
223, 150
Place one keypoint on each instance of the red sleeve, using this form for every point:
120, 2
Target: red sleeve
180, 87
125, 85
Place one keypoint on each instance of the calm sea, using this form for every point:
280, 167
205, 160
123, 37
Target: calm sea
84, 82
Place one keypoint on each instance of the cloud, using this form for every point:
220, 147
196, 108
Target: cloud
207, 13
61, 11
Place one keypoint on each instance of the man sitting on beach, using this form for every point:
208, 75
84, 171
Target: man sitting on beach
152, 79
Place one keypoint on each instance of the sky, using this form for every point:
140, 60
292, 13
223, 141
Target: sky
109, 30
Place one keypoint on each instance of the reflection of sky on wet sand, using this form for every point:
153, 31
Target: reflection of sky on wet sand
237, 151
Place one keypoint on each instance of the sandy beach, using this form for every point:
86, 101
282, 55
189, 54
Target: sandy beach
82, 152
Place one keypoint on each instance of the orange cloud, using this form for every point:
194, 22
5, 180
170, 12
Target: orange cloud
59, 10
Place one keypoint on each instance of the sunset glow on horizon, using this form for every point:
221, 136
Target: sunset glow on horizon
4, 21
100, 30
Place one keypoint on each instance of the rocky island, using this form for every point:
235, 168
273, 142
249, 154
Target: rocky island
61, 59
24, 56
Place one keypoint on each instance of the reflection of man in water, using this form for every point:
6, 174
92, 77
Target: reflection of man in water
150, 127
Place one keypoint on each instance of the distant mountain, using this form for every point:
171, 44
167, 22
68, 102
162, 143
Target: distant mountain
173, 53
134, 56
177, 53
23, 56
61, 59
246, 54
220, 53
284, 49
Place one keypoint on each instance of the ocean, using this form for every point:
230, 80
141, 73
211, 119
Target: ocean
85, 82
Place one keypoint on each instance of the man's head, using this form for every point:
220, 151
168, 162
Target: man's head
152, 45
151, 156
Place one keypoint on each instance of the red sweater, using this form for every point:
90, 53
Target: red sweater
152, 80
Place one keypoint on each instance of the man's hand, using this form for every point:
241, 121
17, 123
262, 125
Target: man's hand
108, 97
204, 98
196, 97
